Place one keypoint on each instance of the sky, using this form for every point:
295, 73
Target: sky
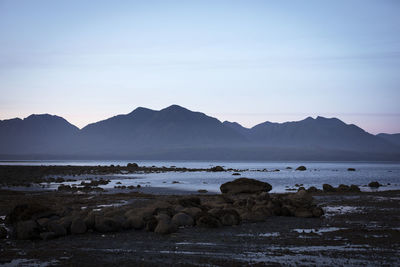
244, 61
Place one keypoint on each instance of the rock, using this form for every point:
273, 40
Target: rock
217, 169
351, 169
301, 168
27, 230
301, 198
354, 188
374, 184
235, 174
132, 166
151, 224
193, 211
106, 224
328, 188
182, 219
28, 211
56, 228
303, 213
163, 217
317, 212
190, 202
47, 235
90, 220
209, 221
65, 222
135, 222
165, 227
178, 208
203, 191
263, 196
312, 189
245, 185
343, 188
3, 232
78, 226
228, 217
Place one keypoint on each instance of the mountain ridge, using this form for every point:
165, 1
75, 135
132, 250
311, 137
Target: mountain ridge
175, 131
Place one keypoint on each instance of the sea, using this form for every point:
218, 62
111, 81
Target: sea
284, 180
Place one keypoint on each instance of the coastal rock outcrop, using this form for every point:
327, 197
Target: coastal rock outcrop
245, 185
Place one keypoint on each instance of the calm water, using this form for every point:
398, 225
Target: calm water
317, 173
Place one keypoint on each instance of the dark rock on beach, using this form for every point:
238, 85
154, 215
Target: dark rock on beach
245, 185
374, 184
301, 168
328, 188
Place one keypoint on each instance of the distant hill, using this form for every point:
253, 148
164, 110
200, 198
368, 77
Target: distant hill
392, 138
178, 133
36, 134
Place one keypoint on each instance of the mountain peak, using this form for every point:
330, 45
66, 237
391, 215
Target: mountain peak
175, 108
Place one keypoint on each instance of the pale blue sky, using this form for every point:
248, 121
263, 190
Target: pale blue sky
244, 61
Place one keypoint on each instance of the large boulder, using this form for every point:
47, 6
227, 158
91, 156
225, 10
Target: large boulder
27, 230
354, 188
193, 211
245, 185
182, 219
165, 227
57, 228
374, 184
28, 211
208, 220
300, 199
303, 213
343, 188
328, 188
227, 217
301, 168
217, 169
134, 222
78, 226
106, 224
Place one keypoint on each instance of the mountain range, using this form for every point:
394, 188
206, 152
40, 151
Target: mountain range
178, 133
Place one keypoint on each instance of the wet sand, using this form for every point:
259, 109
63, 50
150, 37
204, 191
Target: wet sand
357, 229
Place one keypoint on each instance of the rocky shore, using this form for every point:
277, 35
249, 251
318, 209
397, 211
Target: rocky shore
244, 225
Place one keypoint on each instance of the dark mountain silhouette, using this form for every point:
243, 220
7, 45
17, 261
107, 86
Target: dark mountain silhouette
145, 129
392, 138
36, 134
178, 133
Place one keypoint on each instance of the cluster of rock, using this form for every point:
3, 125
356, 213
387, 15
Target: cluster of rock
327, 188
242, 200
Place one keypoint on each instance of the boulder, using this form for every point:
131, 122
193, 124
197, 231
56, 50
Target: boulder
328, 188
300, 199
28, 211
351, 169
374, 184
228, 217
209, 221
78, 226
301, 168
354, 188
27, 230
151, 224
106, 224
182, 219
165, 227
245, 185
217, 169
134, 222
312, 189
47, 235
66, 222
343, 188
57, 228
317, 212
193, 211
